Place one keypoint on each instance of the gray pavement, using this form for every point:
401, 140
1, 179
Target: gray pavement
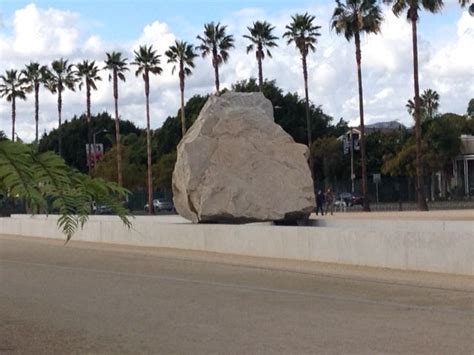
96, 299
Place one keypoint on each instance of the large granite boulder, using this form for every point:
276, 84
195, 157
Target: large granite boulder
236, 165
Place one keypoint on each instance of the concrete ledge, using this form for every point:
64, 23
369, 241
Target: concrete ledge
434, 246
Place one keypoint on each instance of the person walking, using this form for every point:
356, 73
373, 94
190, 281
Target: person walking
329, 197
320, 203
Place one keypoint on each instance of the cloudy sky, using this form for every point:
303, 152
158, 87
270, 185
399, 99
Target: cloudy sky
85, 29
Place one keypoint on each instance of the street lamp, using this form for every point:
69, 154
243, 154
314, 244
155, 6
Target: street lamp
93, 143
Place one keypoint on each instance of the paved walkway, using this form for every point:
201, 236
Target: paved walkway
79, 298
467, 215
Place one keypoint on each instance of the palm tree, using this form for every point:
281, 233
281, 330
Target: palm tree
411, 107
33, 76
148, 62
464, 3
12, 88
60, 78
430, 102
118, 66
352, 19
89, 73
182, 54
217, 43
262, 40
413, 7
304, 34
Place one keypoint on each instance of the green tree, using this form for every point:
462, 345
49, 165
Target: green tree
262, 39
74, 131
444, 144
134, 174
167, 137
12, 88
470, 108
303, 33
330, 160
147, 62
382, 144
216, 43
403, 163
352, 19
117, 66
412, 8
430, 102
88, 72
49, 185
61, 77
164, 171
182, 55
34, 75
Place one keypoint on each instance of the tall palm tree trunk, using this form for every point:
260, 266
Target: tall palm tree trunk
362, 125
422, 206
308, 121
183, 118
181, 87
260, 69
13, 117
36, 111
148, 146
117, 131
215, 64
60, 104
89, 129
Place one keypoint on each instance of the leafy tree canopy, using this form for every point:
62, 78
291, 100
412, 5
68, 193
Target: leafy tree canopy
48, 185
74, 132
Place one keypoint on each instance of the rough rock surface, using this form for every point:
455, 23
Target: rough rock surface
235, 164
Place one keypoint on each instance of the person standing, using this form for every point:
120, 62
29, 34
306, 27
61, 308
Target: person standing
329, 201
320, 203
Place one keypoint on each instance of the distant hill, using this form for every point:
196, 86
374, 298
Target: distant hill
384, 126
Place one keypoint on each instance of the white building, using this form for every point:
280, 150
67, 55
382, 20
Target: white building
463, 167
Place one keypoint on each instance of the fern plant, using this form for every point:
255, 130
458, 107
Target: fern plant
47, 184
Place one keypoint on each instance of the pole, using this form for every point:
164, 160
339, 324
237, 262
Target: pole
93, 142
352, 162
377, 191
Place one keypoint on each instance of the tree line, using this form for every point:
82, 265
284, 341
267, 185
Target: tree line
351, 18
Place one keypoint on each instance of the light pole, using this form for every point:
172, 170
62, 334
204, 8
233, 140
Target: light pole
352, 161
93, 143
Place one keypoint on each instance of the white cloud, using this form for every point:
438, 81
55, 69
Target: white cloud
37, 31
47, 34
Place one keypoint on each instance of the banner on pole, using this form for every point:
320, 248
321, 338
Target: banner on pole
96, 153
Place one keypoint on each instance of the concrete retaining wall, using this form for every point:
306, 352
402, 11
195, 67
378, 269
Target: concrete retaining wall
435, 246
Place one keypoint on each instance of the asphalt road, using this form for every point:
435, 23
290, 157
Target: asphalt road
78, 298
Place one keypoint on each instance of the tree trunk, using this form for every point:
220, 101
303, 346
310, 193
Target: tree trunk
117, 130
36, 111
422, 206
362, 125
215, 64
260, 69
444, 183
308, 121
13, 117
181, 87
89, 129
148, 146
60, 104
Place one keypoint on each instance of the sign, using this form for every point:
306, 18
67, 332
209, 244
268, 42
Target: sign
345, 143
377, 178
96, 153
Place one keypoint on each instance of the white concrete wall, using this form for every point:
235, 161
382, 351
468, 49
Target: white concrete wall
436, 246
